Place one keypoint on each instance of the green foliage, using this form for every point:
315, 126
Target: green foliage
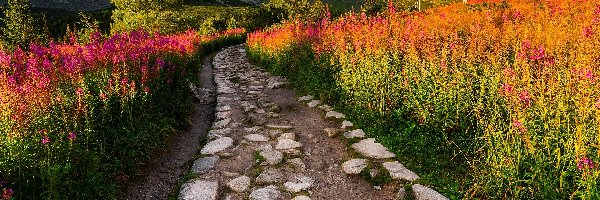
19, 27
145, 5
295, 9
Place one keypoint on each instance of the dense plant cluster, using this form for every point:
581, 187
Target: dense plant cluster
516, 82
77, 119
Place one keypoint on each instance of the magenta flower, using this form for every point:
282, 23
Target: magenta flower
7, 193
79, 91
585, 162
524, 97
45, 140
72, 136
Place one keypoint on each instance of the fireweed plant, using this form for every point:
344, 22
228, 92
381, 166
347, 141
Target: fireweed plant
79, 119
510, 89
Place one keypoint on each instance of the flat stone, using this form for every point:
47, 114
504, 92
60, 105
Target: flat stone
298, 164
369, 148
302, 184
289, 136
358, 133
223, 115
425, 193
287, 144
331, 132
199, 190
272, 157
313, 103
334, 115
270, 176
398, 171
347, 125
224, 108
221, 124
256, 138
202, 165
306, 98
217, 146
218, 133
239, 184
301, 197
266, 193
401, 195
279, 127
254, 129
354, 166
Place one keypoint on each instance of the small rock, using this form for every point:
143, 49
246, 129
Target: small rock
297, 164
224, 108
202, 165
269, 176
354, 166
223, 115
264, 147
334, 115
199, 190
347, 125
292, 152
377, 187
330, 132
221, 124
306, 98
254, 129
325, 108
398, 171
425, 193
256, 138
274, 133
401, 194
279, 127
303, 183
301, 197
314, 103
371, 149
272, 157
289, 136
217, 145
266, 193
287, 144
358, 133
239, 184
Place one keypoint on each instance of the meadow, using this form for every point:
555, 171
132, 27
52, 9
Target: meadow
491, 100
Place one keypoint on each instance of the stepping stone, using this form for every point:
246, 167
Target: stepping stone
358, 133
289, 136
254, 129
269, 176
354, 166
272, 157
219, 133
221, 124
199, 190
217, 146
302, 184
401, 194
287, 144
224, 108
347, 125
314, 103
280, 127
256, 138
301, 197
425, 193
398, 171
369, 148
334, 115
266, 193
223, 115
306, 98
239, 184
331, 132
205, 164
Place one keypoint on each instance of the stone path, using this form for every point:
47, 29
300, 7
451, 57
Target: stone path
267, 143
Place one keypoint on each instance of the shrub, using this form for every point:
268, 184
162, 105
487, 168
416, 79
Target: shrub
19, 27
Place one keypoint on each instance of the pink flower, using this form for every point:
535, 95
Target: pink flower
103, 96
519, 126
45, 140
507, 89
72, 136
79, 91
585, 162
7, 193
525, 98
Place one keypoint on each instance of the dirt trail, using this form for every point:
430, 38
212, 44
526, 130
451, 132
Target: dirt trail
265, 144
163, 173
